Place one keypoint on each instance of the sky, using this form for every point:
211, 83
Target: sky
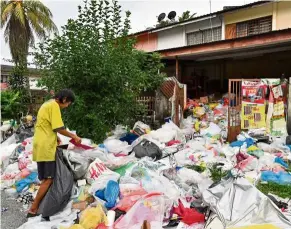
143, 13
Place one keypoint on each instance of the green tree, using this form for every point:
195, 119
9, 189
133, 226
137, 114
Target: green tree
186, 15
96, 58
21, 20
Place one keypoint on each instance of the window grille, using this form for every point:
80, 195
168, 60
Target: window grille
204, 36
252, 27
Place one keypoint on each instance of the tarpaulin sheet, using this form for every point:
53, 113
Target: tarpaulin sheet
239, 203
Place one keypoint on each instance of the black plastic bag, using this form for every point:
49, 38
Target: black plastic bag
147, 149
59, 193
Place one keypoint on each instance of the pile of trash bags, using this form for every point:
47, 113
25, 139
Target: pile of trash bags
172, 177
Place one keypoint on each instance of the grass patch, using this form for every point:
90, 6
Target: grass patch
283, 191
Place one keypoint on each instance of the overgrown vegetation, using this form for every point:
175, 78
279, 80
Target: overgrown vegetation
14, 101
217, 173
283, 191
96, 58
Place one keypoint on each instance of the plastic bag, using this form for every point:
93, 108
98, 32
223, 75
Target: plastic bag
76, 226
109, 194
92, 217
120, 131
59, 193
129, 186
22, 184
127, 202
189, 176
77, 163
282, 178
147, 149
6, 151
212, 130
140, 128
150, 208
152, 182
23, 162
62, 220
98, 175
117, 147
189, 215
249, 164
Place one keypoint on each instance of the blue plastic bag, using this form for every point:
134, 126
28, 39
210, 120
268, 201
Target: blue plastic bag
282, 178
281, 162
23, 183
109, 194
249, 142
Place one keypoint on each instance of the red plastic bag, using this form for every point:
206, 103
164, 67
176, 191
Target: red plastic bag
189, 215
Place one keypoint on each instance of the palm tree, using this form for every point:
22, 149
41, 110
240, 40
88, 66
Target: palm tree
22, 20
186, 15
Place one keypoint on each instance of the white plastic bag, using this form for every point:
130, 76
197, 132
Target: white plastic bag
189, 176
120, 131
64, 219
98, 175
212, 130
117, 147
5, 152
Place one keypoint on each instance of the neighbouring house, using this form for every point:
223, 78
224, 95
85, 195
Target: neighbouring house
38, 94
204, 52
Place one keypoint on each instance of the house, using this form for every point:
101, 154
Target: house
249, 41
37, 93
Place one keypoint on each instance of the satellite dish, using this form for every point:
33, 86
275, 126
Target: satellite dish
161, 17
172, 15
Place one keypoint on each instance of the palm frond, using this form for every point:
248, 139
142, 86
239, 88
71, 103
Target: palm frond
35, 24
19, 13
39, 6
6, 11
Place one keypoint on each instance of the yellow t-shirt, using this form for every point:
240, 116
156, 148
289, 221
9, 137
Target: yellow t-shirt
49, 119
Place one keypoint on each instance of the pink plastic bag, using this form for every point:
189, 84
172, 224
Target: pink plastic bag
127, 202
150, 207
23, 162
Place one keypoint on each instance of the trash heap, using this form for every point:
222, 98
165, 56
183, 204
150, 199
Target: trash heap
172, 177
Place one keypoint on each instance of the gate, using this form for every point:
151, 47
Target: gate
234, 108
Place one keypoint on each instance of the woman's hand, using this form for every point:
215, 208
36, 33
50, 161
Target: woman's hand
77, 139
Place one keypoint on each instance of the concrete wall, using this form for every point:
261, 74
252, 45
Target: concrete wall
248, 14
283, 19
202, 25
171, 38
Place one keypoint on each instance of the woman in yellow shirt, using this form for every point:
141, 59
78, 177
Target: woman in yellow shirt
49, 123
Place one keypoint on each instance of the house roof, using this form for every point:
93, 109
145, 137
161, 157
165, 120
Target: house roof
226, 10
8, 69
254, 41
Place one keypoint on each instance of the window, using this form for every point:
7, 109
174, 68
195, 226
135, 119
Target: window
4, 78
204, 36
252, 27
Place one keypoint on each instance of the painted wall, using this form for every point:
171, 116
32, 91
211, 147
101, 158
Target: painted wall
171, 38
283, 19
248, 14
176, 37
281, 12
205, 24
147, 42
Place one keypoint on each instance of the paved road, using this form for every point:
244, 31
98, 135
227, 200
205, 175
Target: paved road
15, 216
